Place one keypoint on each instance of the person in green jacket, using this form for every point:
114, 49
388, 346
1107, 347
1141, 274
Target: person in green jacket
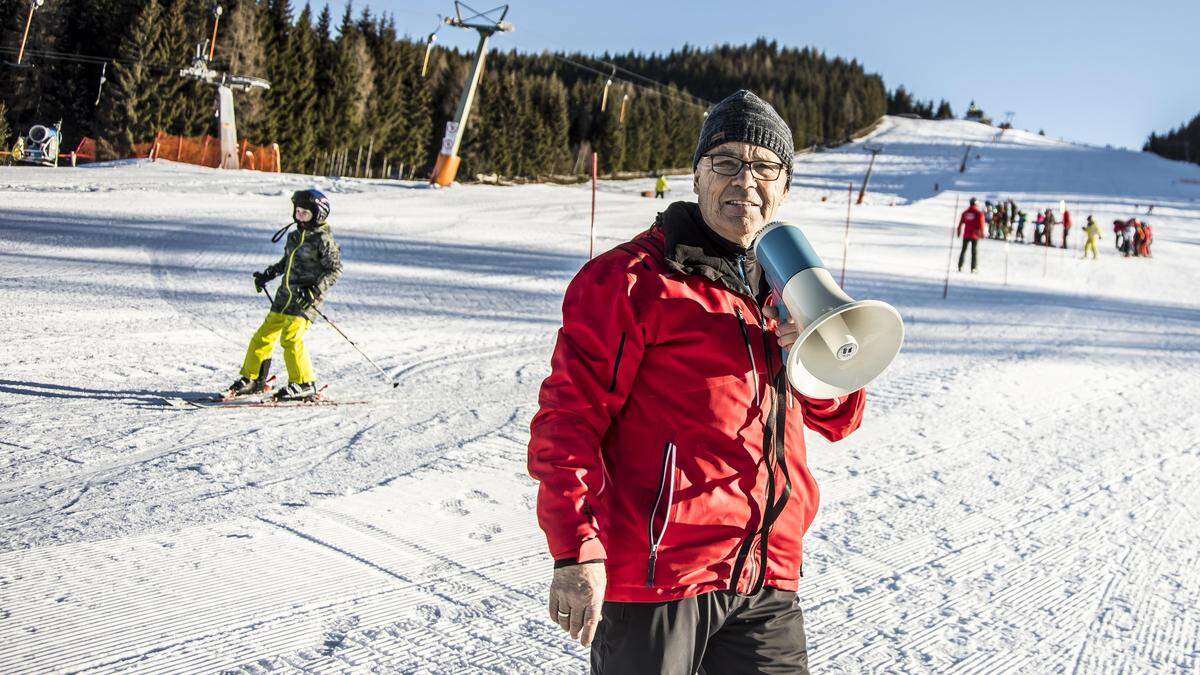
660, 187
1092, 230
310, 265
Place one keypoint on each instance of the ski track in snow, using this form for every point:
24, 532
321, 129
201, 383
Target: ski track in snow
1021, 498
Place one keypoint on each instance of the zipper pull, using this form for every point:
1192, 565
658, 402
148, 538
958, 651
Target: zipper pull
742, 273
650, 566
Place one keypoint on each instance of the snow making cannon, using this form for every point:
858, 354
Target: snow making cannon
39, 146
844, 343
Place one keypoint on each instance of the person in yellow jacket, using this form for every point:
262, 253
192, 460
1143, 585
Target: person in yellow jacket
311, 263
1092, 230
660, 187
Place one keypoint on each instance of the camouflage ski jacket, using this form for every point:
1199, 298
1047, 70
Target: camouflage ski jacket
311, 263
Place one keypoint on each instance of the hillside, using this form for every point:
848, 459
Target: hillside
1021, 498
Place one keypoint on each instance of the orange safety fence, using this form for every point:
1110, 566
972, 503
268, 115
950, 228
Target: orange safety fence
206, 151
85, 151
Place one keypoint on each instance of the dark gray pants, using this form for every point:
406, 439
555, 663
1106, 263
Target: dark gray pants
974, 244
717, 633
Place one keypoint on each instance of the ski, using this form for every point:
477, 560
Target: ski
255, 401
251, 402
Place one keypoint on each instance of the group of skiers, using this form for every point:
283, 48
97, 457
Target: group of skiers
1005, 221
1133, 237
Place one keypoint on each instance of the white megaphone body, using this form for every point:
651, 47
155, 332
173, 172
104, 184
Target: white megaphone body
843, 343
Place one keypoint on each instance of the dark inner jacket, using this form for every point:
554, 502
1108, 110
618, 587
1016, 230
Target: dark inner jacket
695, 248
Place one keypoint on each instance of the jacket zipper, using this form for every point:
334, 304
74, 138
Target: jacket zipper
617, 364
746, 283
750, 351
287, 274
767, 452
667, 482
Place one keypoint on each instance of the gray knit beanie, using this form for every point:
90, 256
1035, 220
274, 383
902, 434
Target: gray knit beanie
746, 118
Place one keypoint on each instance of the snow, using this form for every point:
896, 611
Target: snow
1022, 496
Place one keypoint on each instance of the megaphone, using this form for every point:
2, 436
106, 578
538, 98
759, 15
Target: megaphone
845, 343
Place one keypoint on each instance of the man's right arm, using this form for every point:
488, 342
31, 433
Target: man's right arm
593, 367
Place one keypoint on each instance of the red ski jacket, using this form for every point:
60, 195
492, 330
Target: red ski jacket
971, 223
655, 441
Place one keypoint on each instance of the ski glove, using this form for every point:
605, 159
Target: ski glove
309, 294
260, 281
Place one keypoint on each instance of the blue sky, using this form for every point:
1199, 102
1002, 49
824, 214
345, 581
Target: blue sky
1098, 71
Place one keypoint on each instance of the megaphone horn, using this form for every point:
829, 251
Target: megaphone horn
844, 343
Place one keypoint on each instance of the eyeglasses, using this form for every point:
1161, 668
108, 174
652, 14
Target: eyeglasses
727, 165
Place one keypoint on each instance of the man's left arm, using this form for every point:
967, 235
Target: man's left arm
833, 418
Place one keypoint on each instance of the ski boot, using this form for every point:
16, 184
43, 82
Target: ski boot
298, 391
244, 386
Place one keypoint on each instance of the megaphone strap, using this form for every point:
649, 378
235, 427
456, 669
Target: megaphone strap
774, 433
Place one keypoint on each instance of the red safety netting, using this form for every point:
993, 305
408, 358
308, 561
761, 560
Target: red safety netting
85, 151
206, 151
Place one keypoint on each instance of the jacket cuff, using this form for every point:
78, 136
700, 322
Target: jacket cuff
824, 406
589, 550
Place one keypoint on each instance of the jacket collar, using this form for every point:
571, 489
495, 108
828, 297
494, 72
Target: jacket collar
692, 247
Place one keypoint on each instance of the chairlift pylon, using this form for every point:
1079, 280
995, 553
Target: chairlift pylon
103, 79
429, 45
34, 5
607, 84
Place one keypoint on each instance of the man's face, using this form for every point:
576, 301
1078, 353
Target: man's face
737, 207
303, 215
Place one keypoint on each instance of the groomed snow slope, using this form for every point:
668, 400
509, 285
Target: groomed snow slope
1021, 497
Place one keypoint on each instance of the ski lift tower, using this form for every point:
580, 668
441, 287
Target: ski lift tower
486, 23
225, 84
34, 5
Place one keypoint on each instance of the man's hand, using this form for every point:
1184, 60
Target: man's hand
787, 331
576, 596
260, 281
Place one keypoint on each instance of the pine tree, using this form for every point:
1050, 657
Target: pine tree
240, 45
276, 33
3, 128
352, 86
386, 109
299, 146
176, 105
412, 148
125, 114
610, 141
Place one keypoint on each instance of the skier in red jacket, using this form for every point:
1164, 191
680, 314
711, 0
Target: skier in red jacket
669, 445
970, 228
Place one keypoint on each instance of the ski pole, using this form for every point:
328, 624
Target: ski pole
347, 337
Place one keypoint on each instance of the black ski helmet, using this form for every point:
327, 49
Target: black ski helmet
313, 200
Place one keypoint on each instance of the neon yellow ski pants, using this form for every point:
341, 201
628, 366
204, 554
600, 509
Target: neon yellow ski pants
1090, 245
289, 331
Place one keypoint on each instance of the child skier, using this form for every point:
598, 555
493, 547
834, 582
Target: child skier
1093, 235
311, 263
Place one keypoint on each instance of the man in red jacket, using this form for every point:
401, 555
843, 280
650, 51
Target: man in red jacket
970, 228
669, 446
